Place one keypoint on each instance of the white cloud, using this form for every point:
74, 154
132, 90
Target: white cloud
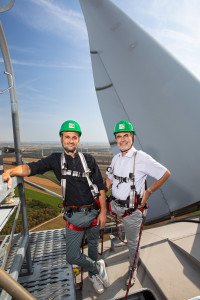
21, 49
176, 35
47, 65
49, 16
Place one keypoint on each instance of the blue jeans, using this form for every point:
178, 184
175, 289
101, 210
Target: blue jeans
74, 241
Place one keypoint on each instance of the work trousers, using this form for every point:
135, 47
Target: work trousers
74, 241
132, 224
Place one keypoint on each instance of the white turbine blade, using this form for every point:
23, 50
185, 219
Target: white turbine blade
138, 80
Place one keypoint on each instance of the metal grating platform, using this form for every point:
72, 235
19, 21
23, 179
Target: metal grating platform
52, 277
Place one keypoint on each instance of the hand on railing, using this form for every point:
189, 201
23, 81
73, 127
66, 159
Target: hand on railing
7, 178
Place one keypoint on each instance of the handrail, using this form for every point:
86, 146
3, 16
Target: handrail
7, 6
43, 189
16, 134
2, 92
11, 286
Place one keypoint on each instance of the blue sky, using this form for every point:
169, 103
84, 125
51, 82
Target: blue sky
48, 44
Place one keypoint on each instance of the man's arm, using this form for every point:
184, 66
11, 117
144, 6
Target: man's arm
102, 216
108, 184
21, 170
156, 185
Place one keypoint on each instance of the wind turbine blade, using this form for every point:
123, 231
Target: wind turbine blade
137, 79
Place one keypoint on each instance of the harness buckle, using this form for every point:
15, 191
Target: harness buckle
132, 187
126, 179
109, 169
117, 203
68, 212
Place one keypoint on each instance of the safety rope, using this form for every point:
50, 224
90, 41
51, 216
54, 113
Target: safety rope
101, 236
136, 253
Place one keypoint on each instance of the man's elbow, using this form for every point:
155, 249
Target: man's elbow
26, 170
167, 175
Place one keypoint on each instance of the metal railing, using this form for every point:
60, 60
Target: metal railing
17, 291
24, 249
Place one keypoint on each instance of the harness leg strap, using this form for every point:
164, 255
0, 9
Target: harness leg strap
77, 228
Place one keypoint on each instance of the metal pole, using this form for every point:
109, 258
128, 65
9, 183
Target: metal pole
42, 189
7, 6
1, 163
16, 290
15, 122
17, 263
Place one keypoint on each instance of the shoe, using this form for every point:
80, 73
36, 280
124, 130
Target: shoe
96, 283
103, 274
133, 277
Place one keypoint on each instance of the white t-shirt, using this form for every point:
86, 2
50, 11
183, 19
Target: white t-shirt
122, 166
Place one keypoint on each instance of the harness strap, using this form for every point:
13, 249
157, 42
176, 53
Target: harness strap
73, 173
121, 179
93, 187
64, 173
63, 181
128, 211
132, 191
97, 202
77, 228
133, 200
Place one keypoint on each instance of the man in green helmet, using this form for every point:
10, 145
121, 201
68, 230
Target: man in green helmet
126, 175
83, 198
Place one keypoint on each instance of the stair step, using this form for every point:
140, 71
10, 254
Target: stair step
116, 244
179, 276
190, 246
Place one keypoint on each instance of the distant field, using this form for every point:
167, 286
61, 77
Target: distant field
55, 223
44, 198
49, 174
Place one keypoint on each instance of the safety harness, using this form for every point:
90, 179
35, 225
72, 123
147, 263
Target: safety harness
93, 188
65, 172
133, 199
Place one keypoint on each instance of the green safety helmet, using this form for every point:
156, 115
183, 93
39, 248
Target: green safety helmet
124, 126
70, 125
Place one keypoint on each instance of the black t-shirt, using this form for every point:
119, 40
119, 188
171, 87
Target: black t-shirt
77, 188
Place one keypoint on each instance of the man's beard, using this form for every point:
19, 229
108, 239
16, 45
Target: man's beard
72, 150
125, 148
